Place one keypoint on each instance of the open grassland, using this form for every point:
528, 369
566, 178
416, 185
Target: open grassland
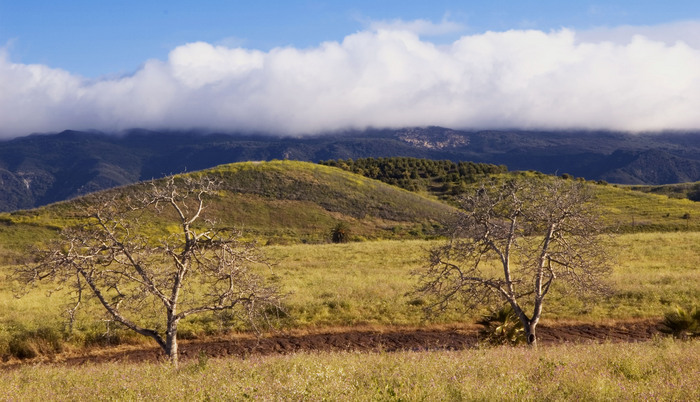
370, 283
659, 370
292, 207
364, 284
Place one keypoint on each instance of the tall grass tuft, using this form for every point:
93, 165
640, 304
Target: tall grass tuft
682, 323
40, 342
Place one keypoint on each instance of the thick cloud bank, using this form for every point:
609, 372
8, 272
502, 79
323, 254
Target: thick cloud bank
377, 78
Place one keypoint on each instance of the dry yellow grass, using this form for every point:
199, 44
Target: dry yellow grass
369, 284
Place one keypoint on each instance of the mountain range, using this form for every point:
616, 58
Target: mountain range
44, 168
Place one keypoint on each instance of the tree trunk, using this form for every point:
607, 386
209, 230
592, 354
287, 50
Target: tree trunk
171, 343
529, 325
531, 334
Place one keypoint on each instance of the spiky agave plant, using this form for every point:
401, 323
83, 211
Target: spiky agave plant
340, 233
682, 323
502, 327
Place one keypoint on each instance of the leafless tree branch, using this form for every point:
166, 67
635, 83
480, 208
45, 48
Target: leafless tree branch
538, 230
115, 255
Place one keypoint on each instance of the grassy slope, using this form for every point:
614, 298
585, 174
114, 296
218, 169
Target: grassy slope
285, 201
635, 211
628, 211
278, 201
678, 190
307, 200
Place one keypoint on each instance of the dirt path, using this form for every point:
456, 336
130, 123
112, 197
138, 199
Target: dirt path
372, 340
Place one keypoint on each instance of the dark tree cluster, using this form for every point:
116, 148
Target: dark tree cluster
443, 177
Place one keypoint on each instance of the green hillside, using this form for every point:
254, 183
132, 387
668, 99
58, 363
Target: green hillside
690, 191
292, 202
279, 201
646, 209
286, 203
635, 211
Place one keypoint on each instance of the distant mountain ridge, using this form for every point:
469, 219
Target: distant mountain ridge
44, 168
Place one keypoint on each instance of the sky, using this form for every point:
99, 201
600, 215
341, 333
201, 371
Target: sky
306, 67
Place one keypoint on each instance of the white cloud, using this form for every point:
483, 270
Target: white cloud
380, 78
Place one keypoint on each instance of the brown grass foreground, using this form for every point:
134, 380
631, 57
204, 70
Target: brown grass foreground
662, 369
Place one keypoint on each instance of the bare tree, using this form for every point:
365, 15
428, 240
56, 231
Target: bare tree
536, 231
152, 249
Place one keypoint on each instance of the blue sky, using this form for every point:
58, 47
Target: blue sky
113, 65
94, 38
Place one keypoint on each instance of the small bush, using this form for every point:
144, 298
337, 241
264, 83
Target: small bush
340, 233
682, 323
28, 345
502, 327
22, 349
417, 302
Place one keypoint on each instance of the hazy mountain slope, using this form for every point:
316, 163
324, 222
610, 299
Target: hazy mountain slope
40, 169
654, 166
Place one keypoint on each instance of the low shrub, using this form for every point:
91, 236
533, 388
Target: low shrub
502, 327
682, 323
340, 233
30, 344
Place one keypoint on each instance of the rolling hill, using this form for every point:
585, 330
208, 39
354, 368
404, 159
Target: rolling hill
301, 202
41, 169
279, 201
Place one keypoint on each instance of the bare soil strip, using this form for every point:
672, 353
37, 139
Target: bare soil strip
387, 340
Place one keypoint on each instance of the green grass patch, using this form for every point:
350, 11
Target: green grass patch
678, 190
372, 281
